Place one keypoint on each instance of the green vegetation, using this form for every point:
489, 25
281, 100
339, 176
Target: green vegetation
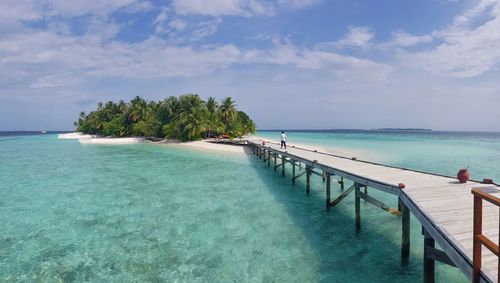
184, 118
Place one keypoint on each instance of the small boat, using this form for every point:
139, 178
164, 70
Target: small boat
43, 131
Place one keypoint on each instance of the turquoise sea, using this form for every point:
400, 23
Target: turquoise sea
152, 213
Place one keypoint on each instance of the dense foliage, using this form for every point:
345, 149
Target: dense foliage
185, 118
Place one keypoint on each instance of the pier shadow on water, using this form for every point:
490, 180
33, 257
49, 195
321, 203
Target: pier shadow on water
342, 253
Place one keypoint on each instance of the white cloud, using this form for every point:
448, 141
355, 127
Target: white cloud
401, 38
37, 9
178, 24
212, 8
466, 49
19, 10
297, 3
357, 37
162, 16
245, 8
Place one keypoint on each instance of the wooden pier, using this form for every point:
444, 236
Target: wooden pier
452, 215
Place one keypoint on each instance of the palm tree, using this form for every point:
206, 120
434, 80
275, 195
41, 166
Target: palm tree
211, 105
227, 110
194, 123
137, 108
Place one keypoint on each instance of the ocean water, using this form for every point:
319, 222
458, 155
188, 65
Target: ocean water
151, 213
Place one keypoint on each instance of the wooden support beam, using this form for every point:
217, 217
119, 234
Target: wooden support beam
299, 175
268, 158
438, 255
308, 179
282, 165
341, 182
316, 173
357, 207
293, 172
405, 234
323, 176
328, 177
378, 203
429, 263
342, 196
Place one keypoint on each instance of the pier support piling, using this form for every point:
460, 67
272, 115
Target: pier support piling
328, 202
405, 233
293, 172
275, 162
357, 207
429, 263
308, 179
283, 165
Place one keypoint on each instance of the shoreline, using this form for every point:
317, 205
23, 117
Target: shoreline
204, 145
207, 146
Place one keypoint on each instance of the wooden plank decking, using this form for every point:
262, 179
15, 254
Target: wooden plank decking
442, 205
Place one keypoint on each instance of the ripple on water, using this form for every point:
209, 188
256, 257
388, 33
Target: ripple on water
145, 213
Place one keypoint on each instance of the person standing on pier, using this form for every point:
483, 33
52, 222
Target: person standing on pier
283, 139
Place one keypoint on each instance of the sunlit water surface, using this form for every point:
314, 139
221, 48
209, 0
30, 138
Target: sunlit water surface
155, 213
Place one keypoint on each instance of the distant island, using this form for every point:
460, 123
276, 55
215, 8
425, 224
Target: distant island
184, 118
403, 129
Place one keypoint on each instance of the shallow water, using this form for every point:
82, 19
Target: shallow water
152, 213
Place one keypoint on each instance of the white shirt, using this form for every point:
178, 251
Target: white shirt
283, 137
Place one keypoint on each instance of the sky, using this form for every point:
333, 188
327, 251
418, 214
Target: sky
290, 64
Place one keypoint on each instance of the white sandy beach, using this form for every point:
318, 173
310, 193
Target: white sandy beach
75, 136
206, 146
111, 141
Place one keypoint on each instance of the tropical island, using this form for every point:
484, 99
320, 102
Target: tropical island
184, 118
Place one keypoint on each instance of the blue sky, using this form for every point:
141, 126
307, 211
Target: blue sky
291, 64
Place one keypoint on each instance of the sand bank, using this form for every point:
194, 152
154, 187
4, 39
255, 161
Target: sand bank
75, 136
111, 141
206, 145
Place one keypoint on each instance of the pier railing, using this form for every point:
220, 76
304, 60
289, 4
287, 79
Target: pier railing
480, 239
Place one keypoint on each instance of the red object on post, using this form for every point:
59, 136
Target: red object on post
463, 176
263, 143
401, 185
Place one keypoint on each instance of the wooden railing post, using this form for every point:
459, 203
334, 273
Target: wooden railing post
476, 248
479, 239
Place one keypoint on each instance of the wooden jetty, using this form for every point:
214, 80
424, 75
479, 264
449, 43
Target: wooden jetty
453, 215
